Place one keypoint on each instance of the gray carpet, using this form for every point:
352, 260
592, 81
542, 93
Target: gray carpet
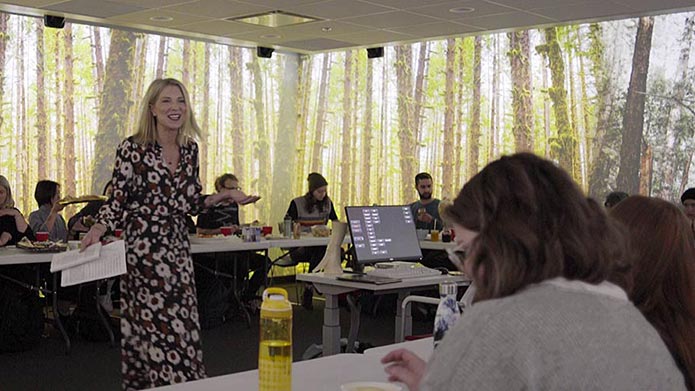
229, 348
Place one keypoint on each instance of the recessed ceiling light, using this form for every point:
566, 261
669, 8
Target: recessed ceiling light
326, 29
273, 19
161, 18
271, 36
461, 10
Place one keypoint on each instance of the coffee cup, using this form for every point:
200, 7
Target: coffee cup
266, 230
422, 234
226, 231
42, 236
118, 232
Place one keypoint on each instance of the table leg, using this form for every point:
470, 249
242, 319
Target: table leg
407, 319
102, 318
331, 325
355, 310
56, 315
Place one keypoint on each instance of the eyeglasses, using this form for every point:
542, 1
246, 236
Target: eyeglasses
457, 256
232, 187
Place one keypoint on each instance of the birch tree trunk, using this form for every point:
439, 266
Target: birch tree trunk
367, 136
633, 119
285, 142
418, 94
317, 154
522, 103
346, 182
41, 123
98, 59
304, 84
69, 112
161, 54
114, 105
449, 111
204, 142
236, 76
459, 141
474, 139
406, 128
262, 148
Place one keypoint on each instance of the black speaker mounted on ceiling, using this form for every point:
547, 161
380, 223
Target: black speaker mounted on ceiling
56, 22
264, 52
375, 52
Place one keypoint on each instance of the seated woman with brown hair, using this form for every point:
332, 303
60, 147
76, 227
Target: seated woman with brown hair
547, 313
13, 226
663, 273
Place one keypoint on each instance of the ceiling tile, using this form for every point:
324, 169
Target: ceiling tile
33, 3
102, 9
658, 7
219, 9
217, 27
482, 8
318, 44
316, 28
373, 37
512, 20
279, 4
144, 18
531, 4
585, 11
404, 4
437, 29
150, 3
336, 9
390, 19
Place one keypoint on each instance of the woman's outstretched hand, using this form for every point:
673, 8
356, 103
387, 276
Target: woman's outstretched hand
240, 197
405, 367
93, 236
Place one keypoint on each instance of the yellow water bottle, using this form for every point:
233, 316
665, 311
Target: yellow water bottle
275, 350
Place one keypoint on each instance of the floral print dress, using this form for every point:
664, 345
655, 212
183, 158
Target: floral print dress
161, 341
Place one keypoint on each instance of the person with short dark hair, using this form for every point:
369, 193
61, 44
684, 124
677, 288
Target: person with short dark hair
662, 283
688, 201
613, 198
426, 208
13, 226
47, 218
313, 208
548, 313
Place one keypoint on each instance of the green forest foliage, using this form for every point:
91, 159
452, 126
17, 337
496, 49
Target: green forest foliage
367, 125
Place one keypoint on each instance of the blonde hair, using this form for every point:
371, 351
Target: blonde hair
9, 202
147, 123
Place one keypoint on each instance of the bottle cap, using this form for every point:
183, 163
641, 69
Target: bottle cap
447, 288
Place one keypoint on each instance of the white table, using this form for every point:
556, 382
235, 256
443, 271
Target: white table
331, 288
321, 374
422, 347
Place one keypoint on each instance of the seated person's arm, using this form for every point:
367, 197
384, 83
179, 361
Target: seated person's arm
332, 216
208, 231
292, 211
4, 238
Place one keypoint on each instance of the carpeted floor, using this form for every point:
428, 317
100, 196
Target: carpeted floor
229, 348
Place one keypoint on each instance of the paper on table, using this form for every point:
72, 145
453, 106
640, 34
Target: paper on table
110, 263
68, 259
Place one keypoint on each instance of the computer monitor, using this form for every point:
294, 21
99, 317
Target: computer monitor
383, 234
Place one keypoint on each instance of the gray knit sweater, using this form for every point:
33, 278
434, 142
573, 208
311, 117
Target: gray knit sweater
559, 335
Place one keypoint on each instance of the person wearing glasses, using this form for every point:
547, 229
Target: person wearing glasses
226, 214
549, 312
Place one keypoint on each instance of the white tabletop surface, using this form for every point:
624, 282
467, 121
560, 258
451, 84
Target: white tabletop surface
422, 347
321, 374
11, 255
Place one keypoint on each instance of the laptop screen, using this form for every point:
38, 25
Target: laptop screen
383, 233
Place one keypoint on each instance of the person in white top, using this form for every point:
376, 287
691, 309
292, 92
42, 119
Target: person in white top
548, 312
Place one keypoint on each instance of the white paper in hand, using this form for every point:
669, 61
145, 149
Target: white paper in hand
68, 259
110, 263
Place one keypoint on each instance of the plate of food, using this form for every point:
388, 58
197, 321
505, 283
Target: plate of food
85, 198
203, 238
42, 247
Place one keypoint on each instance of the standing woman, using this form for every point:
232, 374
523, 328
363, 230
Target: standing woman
155, 185
663, 273
13, 227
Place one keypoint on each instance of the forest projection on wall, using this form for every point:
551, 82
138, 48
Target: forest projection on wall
600, 99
